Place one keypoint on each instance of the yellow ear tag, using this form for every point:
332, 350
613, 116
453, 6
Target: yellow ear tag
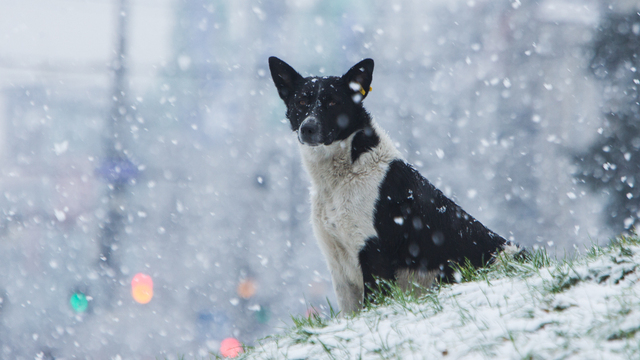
362, 90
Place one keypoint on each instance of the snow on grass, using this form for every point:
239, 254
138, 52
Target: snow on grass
587, 308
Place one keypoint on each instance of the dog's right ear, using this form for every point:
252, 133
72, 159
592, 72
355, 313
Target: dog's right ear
284, 76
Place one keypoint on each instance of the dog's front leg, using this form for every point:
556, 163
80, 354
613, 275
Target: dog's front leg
349, 291
346, 274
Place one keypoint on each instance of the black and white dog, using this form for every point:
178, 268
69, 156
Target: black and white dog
373, 214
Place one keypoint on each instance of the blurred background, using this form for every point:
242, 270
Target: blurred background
146, 137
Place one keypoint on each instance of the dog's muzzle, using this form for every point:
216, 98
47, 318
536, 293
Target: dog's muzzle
310, 132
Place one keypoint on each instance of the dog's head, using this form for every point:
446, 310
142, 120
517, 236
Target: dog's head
324, 109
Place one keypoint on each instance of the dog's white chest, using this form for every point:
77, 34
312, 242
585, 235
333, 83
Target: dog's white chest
343, 196
347, 210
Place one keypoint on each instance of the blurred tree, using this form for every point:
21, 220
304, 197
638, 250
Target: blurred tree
612, 163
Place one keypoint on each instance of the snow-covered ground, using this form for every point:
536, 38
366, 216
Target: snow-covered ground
587, 308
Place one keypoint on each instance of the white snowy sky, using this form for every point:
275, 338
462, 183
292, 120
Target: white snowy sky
78, 36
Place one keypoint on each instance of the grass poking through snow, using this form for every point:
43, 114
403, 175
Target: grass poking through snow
533, 308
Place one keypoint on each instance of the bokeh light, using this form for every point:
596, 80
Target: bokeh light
263, 315
246, 288
311, 311
142, 288
230, 347
79, 302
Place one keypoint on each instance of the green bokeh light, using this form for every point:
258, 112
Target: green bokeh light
263, 315
79, 302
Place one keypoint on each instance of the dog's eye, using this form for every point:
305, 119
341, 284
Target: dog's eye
302, 102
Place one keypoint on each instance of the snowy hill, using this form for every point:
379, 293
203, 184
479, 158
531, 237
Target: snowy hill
586, 308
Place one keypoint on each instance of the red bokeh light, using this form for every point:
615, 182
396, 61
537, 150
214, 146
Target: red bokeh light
230, 347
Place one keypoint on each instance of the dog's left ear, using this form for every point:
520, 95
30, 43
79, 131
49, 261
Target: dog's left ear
358, 78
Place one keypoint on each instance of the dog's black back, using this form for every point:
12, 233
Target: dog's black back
419, 228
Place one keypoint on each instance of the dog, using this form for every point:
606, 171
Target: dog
374, 215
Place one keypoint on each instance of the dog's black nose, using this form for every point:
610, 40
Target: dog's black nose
309, 129
310, 132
